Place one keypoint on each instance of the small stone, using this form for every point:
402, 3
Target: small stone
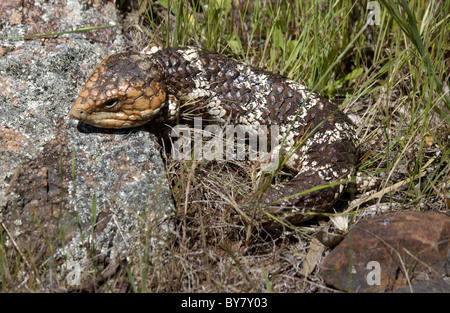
390, 251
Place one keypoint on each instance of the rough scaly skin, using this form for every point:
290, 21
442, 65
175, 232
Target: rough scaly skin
128, 90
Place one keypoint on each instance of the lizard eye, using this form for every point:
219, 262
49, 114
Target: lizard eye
110, 104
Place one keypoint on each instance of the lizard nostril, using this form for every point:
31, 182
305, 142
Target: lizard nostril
73, 113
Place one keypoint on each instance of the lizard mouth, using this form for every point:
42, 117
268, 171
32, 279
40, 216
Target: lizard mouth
115, 120
99, 119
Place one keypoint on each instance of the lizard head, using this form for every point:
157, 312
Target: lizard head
125, 90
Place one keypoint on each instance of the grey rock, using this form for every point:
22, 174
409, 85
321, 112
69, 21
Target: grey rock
71, 189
